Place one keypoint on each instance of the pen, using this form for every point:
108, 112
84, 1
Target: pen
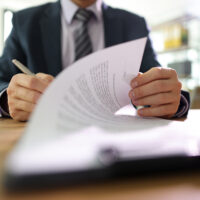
138, 107
23, 68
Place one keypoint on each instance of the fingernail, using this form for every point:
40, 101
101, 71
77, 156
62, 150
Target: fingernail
135, 102
134, 84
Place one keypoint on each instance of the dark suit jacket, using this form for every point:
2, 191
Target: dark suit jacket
36, 39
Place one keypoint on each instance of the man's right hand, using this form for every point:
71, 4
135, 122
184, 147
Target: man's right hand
23, 93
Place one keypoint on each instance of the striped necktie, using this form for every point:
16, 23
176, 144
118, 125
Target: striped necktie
83, 45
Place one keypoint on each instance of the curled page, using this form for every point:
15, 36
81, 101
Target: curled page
89, 92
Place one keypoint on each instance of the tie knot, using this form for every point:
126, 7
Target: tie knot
83, 15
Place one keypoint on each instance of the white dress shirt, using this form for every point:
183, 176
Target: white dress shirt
69, 25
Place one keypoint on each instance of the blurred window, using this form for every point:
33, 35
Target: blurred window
8, 14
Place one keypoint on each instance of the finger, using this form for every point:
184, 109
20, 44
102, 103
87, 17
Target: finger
139, 74
17, 104
158, 111
155, 73
19, 115
45, 77
158, 99
25, 94
30, 82
154, 87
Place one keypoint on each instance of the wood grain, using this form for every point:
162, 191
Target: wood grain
184, 186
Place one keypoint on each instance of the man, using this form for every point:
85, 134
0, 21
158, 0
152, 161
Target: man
48, 38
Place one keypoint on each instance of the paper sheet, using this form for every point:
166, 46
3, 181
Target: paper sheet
76, 117
87, 93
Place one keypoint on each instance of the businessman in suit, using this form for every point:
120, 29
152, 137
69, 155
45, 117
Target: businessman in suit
50, 37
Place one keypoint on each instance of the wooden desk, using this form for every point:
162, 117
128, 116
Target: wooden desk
184, 186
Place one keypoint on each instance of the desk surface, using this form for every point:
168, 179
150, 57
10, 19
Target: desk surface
184, 186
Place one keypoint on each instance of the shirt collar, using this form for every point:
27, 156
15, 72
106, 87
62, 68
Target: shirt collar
69, 9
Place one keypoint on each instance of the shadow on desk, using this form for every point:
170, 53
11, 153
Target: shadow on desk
170, 186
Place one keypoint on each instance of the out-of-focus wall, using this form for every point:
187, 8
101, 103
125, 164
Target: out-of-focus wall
20, 4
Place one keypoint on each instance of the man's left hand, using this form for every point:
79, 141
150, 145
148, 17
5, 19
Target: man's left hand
160, 89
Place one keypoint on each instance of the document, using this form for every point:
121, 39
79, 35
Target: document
87, 111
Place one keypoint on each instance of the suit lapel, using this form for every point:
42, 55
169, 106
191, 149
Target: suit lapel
51, 34
113, 27
51, 37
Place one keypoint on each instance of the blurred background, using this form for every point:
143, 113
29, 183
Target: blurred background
175, 32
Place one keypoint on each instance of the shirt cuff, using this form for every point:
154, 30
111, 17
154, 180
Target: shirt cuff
183, 107
3, 113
